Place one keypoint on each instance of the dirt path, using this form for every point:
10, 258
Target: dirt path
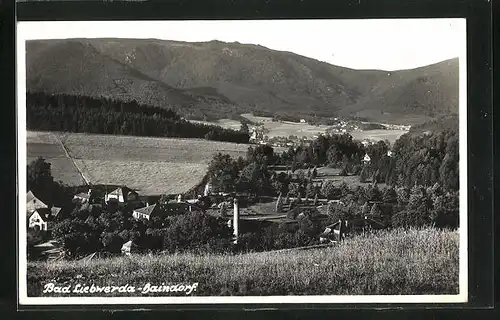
59, 138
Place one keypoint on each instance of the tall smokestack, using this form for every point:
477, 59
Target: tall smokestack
236, 218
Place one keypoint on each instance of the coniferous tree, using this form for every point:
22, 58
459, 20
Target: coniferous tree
375, 210
365, 209
363, 176
390, 196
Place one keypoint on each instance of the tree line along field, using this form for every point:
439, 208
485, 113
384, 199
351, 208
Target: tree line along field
151, 165
412, 262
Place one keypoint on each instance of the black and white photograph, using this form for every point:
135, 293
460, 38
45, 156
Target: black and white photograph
242, 161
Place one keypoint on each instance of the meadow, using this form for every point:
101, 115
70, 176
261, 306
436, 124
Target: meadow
150, 165
397, 262
378, 134
287, 128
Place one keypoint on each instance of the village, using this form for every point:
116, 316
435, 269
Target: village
260, 134
236, 209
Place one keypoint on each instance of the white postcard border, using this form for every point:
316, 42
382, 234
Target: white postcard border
23, 34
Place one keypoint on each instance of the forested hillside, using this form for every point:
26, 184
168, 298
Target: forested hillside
61, 112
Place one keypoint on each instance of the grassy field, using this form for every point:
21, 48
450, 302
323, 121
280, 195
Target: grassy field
388, 263
151, 165
390, 135
276, 129
287, 128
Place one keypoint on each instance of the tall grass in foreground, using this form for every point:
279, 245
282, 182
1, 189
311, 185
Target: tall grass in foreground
387, 263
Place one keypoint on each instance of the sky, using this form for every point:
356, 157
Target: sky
385, 44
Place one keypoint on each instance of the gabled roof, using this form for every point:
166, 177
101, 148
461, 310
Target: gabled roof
29, 196
128, 245
82, 195
42, 213
33, 203
122, 191
45, 213
55, 211
147, 210
116, 192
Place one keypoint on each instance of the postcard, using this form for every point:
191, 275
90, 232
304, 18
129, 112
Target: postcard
242, 161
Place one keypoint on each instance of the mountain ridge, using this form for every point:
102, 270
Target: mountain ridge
216, 78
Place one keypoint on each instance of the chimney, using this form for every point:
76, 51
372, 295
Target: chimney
179, 198
236, 218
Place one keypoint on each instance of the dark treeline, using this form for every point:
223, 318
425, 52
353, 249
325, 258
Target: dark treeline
326, 150
61, 112
426, 159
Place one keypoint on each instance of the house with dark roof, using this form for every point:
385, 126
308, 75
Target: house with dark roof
122, 195
43, 218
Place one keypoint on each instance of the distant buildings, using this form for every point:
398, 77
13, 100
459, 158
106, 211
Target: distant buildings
366, 142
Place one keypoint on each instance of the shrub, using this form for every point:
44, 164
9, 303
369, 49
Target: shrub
193, 230
343, 172
112, 242
445, 212
363, 175
249, 241
293, 213
308, 225
329, 191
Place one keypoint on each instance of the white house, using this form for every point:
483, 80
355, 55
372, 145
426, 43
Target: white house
366, 158
41, 217
302, 121
389, 153
122, 195
36, 219
145, 212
